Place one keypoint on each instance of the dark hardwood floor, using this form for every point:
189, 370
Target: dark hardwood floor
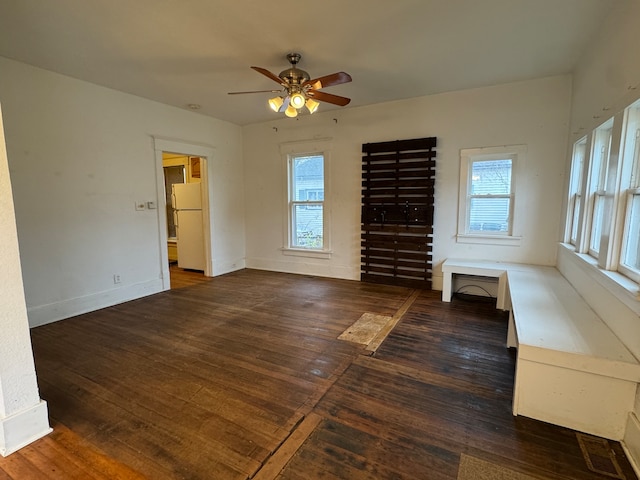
242, 376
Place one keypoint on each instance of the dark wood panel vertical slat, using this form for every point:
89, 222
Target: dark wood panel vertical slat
398, 179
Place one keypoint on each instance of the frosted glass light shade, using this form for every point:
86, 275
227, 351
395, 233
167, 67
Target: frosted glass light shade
312, 105
291, 112
297, 100
275, 103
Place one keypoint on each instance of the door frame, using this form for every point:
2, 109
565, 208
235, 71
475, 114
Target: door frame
206, 154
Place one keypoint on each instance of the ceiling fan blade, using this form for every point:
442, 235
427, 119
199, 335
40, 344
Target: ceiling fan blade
328, 80
328, 97
270, 75
254, 91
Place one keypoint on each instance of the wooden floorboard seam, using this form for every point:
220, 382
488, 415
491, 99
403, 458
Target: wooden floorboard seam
279, 459
384, 333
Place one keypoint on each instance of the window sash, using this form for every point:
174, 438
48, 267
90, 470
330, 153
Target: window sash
630, 252
596, 222
575, 205
489, 193
489, 221
306, 217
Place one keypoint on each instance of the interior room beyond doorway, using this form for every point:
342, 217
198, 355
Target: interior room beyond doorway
185, 236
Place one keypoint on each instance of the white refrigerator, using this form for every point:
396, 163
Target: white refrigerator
186, 200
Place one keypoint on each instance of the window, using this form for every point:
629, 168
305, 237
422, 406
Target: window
575, 189
306, 201
487, 193
630, 202
605, 223
597, 184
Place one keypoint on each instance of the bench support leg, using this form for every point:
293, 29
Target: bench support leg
447, 280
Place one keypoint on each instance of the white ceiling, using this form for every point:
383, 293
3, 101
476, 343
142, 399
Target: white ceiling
180, 52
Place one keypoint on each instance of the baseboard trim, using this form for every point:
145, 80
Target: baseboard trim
631, 442
306, 266
22, 428
52, 312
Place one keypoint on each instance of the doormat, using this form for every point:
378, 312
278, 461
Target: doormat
599, 456
472, 468
365, 329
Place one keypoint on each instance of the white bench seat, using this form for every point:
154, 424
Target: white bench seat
571, 368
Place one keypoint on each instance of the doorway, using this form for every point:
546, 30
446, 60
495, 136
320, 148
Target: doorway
183, 198
185, 165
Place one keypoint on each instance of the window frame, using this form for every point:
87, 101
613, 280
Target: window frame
295, 204
579, 159
469, 156
289, 151
598, 187
629, 188
616, 183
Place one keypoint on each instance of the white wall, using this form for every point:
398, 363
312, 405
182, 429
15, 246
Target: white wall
606, 80
535, 113
80, 156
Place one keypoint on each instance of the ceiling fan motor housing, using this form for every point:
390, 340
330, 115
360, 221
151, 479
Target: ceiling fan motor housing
294, 75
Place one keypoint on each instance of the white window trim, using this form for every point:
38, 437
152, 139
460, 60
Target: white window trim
575, 191
619, 188
597, 187
517, 153
307, 147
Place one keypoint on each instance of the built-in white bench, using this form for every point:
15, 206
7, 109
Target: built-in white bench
571, 369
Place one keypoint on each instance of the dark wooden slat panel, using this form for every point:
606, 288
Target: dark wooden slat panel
430, 174
424, 230
406, 165
414, 201
397, 214
400, 145
397, 271
368, 262
403, 183
395, 156
397, 189
374, 253
397, 242
401, 282
406, 192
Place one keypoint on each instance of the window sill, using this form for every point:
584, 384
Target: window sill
612, 281
305, 252
508, 240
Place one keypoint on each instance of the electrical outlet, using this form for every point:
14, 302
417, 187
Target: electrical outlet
151, 205
116, 278
140, 206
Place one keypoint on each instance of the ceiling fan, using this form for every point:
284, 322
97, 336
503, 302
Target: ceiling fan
299, 89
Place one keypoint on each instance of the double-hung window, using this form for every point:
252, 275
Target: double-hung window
575, 190
487, 194
630, 189
605, 222
306, 201
598, 183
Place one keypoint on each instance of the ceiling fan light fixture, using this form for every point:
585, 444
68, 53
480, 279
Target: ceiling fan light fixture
291, 112
312, 105
297, 100
275, 103
298, 90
